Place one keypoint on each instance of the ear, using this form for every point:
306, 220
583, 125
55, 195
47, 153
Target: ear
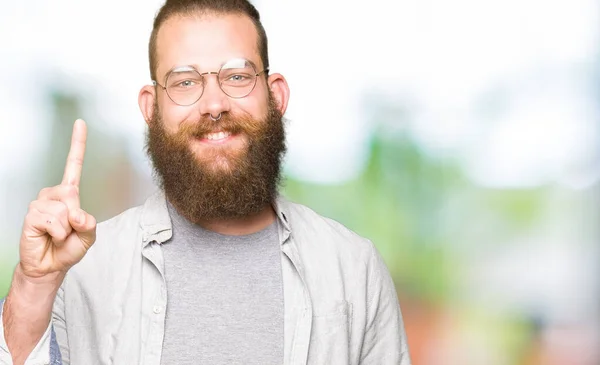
280, 90
146, 100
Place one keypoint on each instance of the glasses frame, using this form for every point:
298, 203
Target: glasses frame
216, 73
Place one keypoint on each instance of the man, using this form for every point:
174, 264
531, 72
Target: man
216, 268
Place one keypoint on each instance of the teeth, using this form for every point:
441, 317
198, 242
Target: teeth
217, 136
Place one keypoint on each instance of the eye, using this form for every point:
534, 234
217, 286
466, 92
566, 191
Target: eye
237, 77
186, 83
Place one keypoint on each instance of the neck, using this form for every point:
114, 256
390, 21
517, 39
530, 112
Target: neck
239, 226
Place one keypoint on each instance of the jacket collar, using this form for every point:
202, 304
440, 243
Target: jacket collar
156, 223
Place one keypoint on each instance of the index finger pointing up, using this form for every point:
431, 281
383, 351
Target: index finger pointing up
74, 164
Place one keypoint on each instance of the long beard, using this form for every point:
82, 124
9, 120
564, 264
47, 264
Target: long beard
221, 184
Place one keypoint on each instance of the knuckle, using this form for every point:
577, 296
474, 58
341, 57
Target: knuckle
60, 236
44, 193
33, 206
71, 191
34, 219
62, 210
29, 219
48, 218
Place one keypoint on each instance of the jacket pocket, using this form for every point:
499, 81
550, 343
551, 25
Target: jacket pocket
330, 334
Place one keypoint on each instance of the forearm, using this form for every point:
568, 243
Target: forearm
27, 312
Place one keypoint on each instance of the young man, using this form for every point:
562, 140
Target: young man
216, 268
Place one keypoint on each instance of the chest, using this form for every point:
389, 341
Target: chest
224, 301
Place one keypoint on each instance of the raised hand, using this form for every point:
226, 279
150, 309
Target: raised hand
57, 233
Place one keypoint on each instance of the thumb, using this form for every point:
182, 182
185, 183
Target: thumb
85, 225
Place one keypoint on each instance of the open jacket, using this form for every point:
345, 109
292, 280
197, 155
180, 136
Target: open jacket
340, 304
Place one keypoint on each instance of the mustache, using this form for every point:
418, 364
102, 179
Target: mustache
228, 123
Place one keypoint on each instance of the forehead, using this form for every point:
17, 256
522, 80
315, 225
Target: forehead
205, 42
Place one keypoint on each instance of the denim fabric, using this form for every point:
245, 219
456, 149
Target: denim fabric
55, 358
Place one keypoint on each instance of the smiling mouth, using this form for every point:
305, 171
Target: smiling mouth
216, 137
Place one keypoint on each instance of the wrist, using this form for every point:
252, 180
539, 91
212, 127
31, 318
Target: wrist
35, 289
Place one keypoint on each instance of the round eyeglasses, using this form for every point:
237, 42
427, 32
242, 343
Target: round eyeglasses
185, 85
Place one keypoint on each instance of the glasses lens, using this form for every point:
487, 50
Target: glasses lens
237, 78
184, 86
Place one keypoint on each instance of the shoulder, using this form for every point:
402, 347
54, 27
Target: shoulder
315, 232
336, 261
127, 220
150, 216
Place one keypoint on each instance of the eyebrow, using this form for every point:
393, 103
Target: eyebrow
186, 68
239, 59
190, 68
179, 69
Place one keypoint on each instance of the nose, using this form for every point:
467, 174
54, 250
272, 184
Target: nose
214, 101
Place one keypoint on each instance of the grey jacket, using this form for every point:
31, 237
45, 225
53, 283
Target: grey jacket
340, 303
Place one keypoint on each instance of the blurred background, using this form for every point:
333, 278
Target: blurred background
461, 136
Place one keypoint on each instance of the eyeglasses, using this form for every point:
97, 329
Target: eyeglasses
185, 85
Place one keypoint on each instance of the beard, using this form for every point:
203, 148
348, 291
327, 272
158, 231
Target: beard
224, 182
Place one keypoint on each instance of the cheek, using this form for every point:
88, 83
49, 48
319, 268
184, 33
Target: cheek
255, 106
174, 116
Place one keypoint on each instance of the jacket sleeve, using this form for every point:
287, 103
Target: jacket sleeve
59, 350
385, 338
47, 350
40, 353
